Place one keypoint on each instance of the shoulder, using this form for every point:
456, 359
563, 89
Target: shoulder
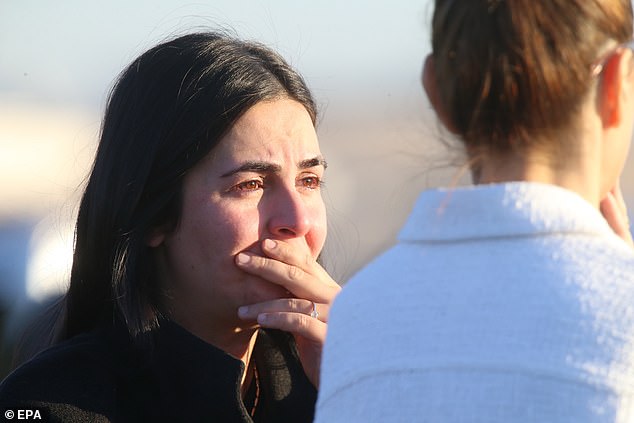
379, 279
77, 373
363, 309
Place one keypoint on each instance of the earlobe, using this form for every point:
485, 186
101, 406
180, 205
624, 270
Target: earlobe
430, 84
155, 237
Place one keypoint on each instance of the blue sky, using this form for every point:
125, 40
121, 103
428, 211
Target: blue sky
70, 51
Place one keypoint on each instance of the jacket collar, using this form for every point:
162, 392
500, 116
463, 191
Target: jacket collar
189, 378
500, 210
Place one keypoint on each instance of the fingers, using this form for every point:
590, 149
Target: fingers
281, 251
269, 269
298, 324
285, 305
618, 196
293, 256
292, 269
615, 213
294, 315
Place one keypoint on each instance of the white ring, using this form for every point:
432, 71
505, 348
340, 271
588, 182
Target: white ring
314, 314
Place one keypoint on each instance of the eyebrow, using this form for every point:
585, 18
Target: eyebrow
266, 167
314, 162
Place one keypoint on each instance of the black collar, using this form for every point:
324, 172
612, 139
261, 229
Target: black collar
183, 378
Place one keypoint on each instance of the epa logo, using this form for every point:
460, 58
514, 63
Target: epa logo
23, 414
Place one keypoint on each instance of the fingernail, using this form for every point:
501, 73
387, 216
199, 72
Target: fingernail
243, 258
243, 311
269, 244
263, 318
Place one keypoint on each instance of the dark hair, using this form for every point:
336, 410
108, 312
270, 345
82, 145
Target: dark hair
167, 111
511, 73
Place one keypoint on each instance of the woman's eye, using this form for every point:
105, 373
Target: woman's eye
247, 186
311, 182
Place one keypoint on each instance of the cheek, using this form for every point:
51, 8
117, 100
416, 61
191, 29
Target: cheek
317, 236
217, 229
236, 229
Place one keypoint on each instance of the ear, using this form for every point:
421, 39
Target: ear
155, 237
430, 84
613, 76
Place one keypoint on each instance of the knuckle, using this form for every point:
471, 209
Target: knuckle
295, 273
283, 250
290, 304
263, 262
303, 322
257, 262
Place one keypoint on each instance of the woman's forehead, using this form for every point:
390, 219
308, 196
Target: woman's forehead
282, 117
271, 131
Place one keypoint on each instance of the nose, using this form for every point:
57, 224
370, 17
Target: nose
290, 215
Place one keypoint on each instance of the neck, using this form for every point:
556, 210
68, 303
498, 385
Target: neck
579, 174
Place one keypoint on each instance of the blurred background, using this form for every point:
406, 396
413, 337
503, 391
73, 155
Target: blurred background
362, 59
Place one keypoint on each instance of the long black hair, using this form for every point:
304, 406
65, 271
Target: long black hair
168, 109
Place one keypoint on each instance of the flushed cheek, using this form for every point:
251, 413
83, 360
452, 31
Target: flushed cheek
316, 238
239, 229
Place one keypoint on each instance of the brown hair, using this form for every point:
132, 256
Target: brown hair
511, 73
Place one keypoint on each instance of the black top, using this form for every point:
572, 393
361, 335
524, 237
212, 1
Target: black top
103, 376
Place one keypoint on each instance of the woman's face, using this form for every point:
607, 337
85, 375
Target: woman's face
261, 181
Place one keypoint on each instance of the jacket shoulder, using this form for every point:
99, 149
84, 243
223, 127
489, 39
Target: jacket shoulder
75, 375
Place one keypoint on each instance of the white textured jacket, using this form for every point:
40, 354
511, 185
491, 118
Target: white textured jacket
500, 303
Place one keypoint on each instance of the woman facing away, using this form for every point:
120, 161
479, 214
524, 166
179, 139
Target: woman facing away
200, 224
511, 300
